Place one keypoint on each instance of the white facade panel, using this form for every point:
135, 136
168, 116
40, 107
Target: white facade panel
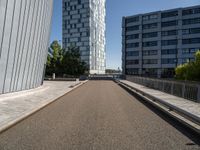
23, 43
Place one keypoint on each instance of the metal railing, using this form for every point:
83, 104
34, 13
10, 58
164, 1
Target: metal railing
190, 91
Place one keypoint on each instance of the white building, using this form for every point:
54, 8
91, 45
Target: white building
84, 27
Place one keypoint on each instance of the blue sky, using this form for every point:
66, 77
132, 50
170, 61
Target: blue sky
116, 9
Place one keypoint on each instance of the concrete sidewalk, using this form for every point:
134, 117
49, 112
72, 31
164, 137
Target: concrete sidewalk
180, 105
16, 106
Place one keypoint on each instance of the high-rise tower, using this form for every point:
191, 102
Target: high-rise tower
84, 27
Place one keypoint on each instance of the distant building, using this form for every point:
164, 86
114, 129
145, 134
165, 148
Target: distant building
24, 38
155, 43
84, 27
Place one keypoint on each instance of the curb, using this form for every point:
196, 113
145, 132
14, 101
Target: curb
174, 112
33, 111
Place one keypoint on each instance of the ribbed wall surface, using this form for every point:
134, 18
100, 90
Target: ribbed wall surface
24, 36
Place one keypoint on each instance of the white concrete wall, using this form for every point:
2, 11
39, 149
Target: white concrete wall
24, 38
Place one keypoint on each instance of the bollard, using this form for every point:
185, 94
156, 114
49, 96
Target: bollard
198, 94
53, 76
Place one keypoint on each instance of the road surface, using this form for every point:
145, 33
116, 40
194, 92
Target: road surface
100, 115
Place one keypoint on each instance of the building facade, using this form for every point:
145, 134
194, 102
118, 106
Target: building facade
24, 38
84, 27
153, 44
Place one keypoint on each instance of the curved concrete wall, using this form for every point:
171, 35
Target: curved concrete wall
24, 38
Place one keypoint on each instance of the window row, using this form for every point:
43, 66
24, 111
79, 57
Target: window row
150, 17
164, 33
164, 42
191, 11
169, 14
190, 50
191, 21
169, 23
186, 60
191, 41
191, 31
164, 24
132, 71
163, 52
163, 15
132, 45
168, 51
155, 61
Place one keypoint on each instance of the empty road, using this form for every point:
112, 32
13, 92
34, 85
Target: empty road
100, 115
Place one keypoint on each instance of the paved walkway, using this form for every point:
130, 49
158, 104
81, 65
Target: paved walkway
100, 115
15, 106
188, 107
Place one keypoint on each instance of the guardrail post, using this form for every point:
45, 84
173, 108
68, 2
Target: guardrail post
198, 96
163, 84
172, 88
183, 90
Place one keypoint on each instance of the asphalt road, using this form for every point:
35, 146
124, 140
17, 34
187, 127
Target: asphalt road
99, 115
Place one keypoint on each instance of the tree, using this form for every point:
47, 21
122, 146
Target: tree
66, 62
72, 64
54, 63
189, 70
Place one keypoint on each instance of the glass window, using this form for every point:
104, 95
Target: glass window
186, 60
169, 42
150, 17
168, 51
169, 33
133, 36
150, 52
131, 45
191, 11
191, 41
132, 71
150, 61
132, 62
185, 31
150, 26
190, 50
134, 19
169, 60
191, 31
132, 28
169, 23
191, 21
169, 14
150, 35
150, 44
132, 53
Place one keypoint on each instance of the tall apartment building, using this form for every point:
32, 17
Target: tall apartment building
84, 27
24, 39
153, 44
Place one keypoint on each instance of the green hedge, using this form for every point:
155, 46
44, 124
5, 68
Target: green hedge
189, 71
